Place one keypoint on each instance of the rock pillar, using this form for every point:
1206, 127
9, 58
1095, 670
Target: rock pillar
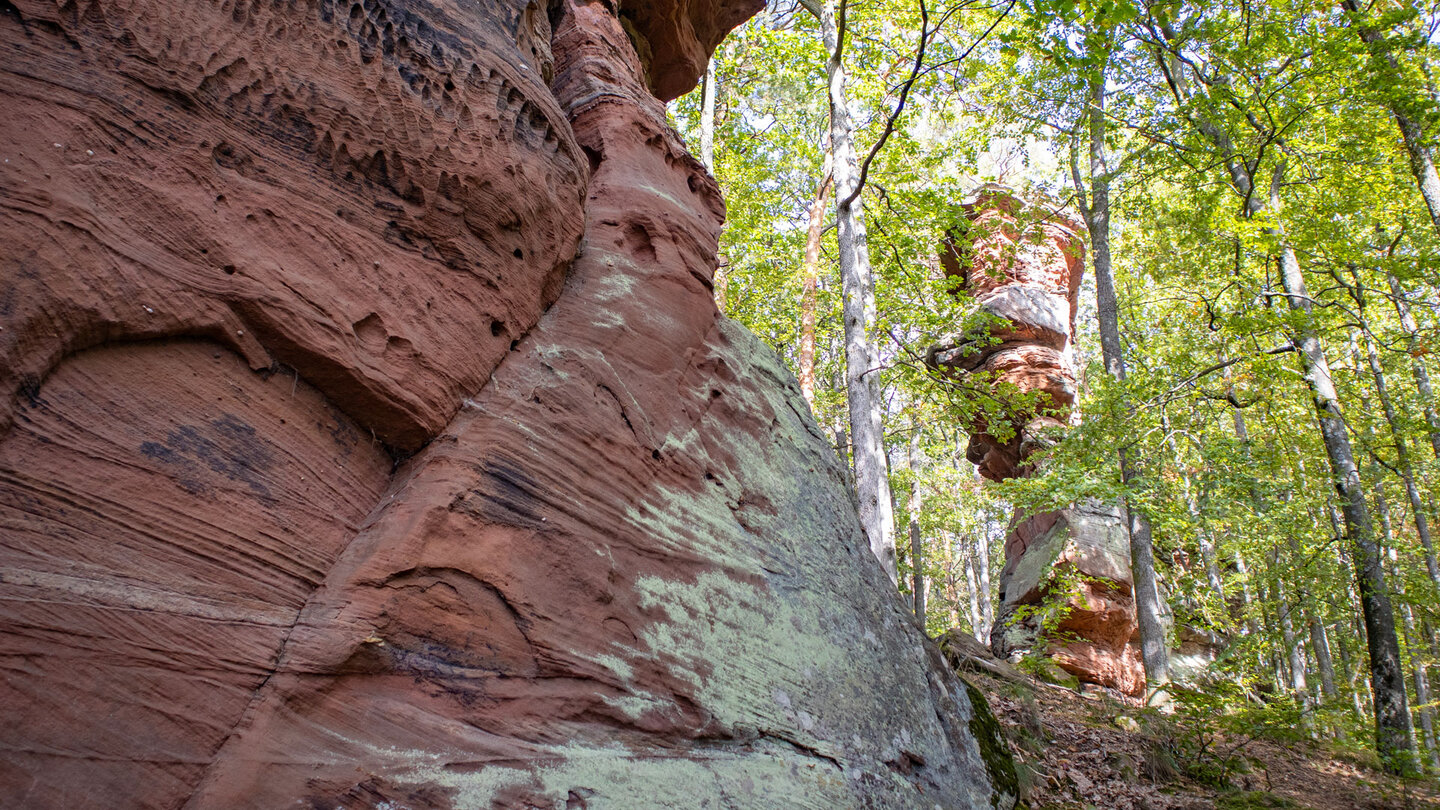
1066, 585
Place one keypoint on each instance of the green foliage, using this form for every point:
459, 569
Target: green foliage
1244, 525
1213, 727
1254, 800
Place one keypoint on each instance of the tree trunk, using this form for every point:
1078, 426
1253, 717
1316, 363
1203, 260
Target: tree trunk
1423, 696
1154, 650
1245, 593
1392, 714
952, 597
980, 561
1252, 627
1417, 366
1319, 644
1422, 157
809, 290
842, 449
1207, 557
917, 574
1392, 718
1422, 689
721, 279
917, 552
979, 628
862, 378
1284, 607
707, 117
1280, 653
1202, 534
1402, 455
1407, 623
1422, 684
721, 282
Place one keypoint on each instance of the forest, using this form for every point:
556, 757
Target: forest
1255, 188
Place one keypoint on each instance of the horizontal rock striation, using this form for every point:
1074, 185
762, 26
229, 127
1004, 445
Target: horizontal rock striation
1025, 279
380, 196
370, 437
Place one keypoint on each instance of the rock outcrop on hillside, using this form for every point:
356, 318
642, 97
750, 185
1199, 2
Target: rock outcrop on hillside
370, 438
1070, 569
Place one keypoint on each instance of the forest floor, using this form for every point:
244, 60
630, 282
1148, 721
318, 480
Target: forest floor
1099, 749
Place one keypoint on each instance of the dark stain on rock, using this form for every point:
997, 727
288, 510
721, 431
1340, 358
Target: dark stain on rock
341, 429
506, 494
30, 390
226, 446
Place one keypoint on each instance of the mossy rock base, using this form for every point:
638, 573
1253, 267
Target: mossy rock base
994, 750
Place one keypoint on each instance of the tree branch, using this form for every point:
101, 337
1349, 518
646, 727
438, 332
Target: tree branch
899, 107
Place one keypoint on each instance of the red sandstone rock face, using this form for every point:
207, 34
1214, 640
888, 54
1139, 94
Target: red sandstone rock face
281, 248
165, 514
674, 38
379, 196
1076, 562
1026, 278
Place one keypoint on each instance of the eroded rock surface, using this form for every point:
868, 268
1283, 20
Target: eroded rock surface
1068, 570
370, 437
1073, 564
1025, 278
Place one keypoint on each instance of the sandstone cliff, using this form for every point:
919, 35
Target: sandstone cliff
369, 436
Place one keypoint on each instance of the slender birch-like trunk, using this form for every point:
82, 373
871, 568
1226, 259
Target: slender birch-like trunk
1423, 696
1391, 707
1390, 702
1412, 641
1202, 534
707, 117
952, 598
1420, 153
917, 551
1319, 643
1392, 714
981, 562
1422, 689
1402, 455
1417, 366
980, 628
917, 571
1298, 684
721, 280
862, 376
